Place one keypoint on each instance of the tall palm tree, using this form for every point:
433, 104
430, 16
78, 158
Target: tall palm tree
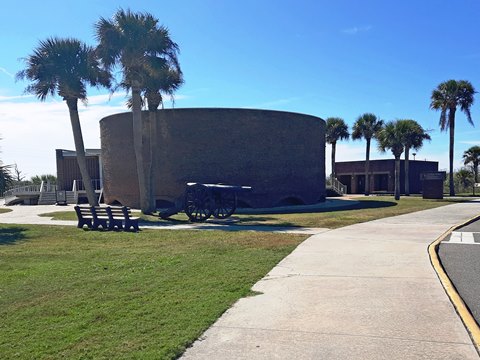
66, 67
472, 157
447, 97
414, 135
336, 129
366, 127
164, 81
392, 137
135, 41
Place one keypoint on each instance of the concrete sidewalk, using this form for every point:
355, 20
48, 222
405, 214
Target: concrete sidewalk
366, 291
30, 215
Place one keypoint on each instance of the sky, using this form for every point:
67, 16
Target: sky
322, 58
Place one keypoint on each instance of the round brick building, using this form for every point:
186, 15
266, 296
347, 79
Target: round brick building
280, 154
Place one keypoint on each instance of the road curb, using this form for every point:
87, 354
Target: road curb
462, 309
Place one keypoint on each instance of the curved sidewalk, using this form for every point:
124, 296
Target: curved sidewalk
366, 291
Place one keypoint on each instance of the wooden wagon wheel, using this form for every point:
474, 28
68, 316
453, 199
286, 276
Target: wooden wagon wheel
225, 204
198, 203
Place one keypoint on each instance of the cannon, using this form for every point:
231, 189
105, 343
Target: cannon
201, 201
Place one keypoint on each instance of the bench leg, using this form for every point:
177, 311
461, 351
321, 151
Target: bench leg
83, 222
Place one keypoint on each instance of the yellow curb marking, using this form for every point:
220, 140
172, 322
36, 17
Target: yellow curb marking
461, 308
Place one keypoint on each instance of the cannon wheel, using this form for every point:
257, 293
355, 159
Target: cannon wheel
198, 203
225, 204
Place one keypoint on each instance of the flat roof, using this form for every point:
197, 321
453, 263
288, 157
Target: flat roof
88, 152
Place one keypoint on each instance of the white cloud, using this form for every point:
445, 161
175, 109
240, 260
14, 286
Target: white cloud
357, 29
473, 142
15, 97
6, 72
31, 131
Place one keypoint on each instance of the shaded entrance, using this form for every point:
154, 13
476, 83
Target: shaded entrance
360, 183
380, 182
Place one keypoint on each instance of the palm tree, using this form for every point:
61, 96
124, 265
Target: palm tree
392, 137
472, 156
414, 135
336, 129
447, 97
66, 67
164, 81
464, 179
366, 126
135, 41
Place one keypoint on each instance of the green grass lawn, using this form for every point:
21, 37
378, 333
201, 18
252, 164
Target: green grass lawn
69, 293
3, 210
368, 208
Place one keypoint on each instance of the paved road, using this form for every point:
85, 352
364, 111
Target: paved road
460, 256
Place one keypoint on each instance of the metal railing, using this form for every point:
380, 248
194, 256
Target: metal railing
79, 186
337, 186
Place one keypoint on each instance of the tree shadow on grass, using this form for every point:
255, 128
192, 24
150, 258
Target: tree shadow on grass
11, 234
262, 218
168, 221
369, 204
358, 205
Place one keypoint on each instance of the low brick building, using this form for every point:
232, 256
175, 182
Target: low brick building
68, 172
382, 175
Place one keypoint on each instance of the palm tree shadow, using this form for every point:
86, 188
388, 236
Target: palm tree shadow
370, 204
360, 205
10, 235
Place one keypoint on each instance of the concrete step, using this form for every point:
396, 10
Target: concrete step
50, 198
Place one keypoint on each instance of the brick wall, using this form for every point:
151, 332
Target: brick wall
280, 154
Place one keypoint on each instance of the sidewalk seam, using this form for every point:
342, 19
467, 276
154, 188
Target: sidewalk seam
461, 308
386, 337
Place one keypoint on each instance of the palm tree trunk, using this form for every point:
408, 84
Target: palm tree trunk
80, 150
407, 170
451, 120
153, 159
367, 169
138, 144
475, 171
334, 149
475, 175
397, 177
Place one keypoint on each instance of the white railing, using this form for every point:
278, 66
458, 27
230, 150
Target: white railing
26, 189
47, 187
337, 186
79, 186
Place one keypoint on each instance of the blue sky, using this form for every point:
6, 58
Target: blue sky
323, 58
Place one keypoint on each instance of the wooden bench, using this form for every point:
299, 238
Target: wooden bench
100, 217
115, 218
84, 216
129, 220
106, 217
